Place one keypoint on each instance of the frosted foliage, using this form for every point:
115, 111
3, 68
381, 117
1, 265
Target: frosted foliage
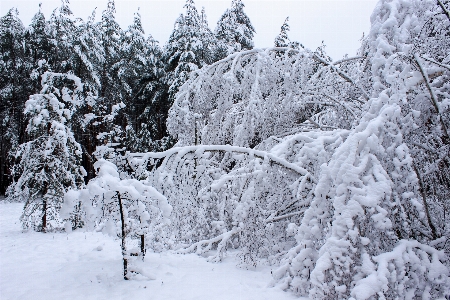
252, 95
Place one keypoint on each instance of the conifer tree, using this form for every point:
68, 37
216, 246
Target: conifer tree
39, 50
49, 164
234, 31
13, 88
208, 39
133, 64
153, 95
282, 39
184, 51
111, 94
62, 33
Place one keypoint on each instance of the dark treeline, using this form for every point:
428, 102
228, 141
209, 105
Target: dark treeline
129, 81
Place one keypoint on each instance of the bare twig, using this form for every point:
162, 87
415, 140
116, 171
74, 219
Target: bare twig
446, 12
274, 219
437, 63
347, 59
432, 95
425, 202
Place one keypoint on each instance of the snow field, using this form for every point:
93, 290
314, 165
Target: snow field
86, 265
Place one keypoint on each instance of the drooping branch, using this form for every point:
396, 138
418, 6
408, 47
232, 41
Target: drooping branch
347, 59
341, 73
206, 245
275, 219
199, 149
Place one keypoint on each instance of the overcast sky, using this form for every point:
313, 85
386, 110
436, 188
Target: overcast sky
340, 23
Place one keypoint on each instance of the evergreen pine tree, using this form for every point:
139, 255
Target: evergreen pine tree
153, 97
282, 39
85, 62
184, 51
62, 32
208, 39
234, 31
48, 165
13, 79
39, 49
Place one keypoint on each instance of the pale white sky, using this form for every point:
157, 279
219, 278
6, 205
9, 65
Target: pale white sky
340, 23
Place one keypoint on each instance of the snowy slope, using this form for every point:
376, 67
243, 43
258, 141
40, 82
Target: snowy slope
88, 266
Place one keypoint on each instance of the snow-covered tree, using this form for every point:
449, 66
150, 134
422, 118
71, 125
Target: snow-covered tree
234, 31
141, 72
186, 51
207, 38
39, 49
369, 232
129, 209
62, 33
252, 95
48, 165
282, 39
13, 88
223, 194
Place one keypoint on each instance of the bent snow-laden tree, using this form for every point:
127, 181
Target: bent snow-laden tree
377, 226
48, 165
360, 219
129, 209
252, 95
223, 195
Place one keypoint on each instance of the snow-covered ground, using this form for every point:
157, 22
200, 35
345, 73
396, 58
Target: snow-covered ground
88, 266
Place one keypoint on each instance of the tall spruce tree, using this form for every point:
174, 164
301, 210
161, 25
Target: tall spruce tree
62, 33
49, 164
282, 39
39, 49
111, 92
234, 31
184, 52
13, 88
153, 97
86, 61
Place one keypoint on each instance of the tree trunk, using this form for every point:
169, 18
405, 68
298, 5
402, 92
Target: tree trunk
143, 246
124, 250
44, 216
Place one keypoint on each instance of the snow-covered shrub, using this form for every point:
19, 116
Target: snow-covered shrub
129, 209
50, 164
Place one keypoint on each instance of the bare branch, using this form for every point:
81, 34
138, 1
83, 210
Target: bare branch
274, 219
342, 74
226, 148
446, 12
347, 59
432, 95
437, 63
